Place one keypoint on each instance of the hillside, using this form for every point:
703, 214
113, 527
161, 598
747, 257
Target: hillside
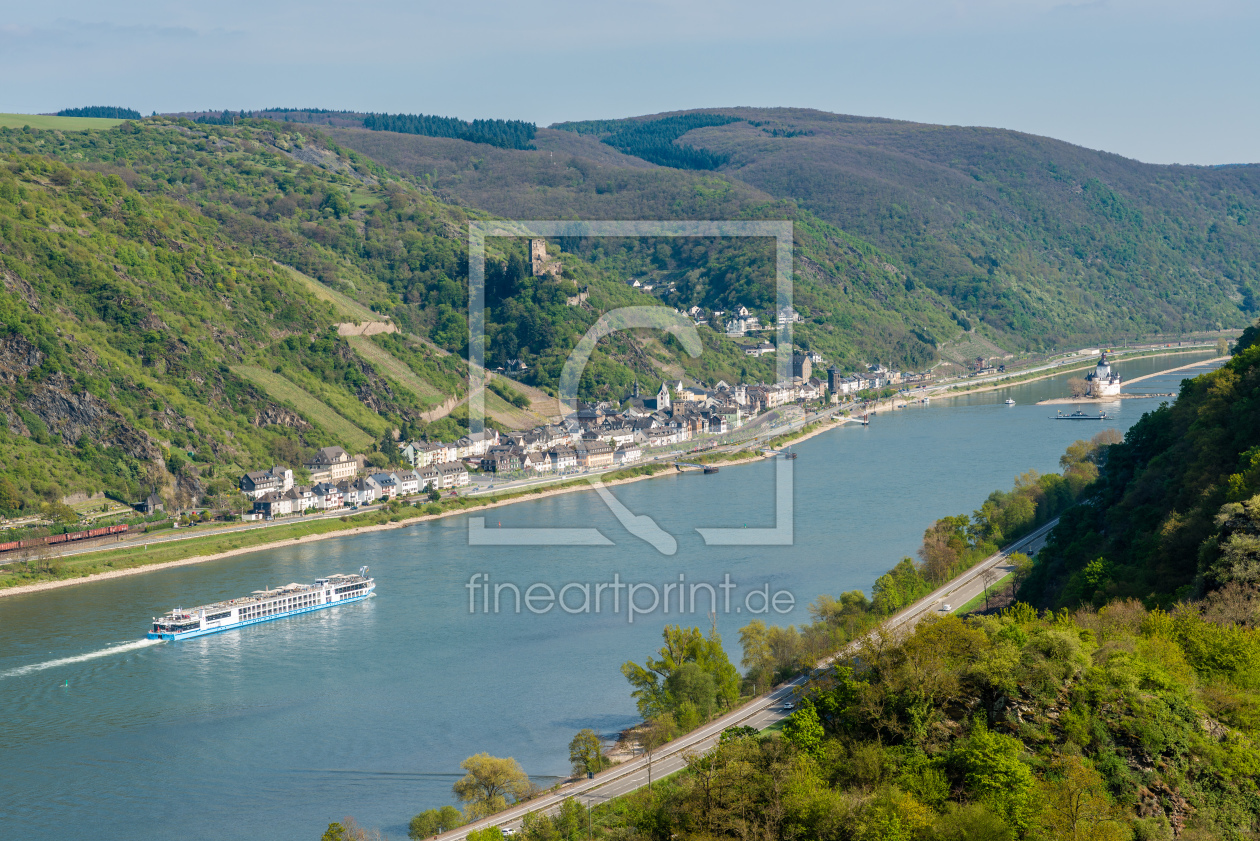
1043, 244
1105, 725
116, 316
172, 295
1175, 512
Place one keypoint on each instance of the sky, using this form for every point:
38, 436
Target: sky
1162, 81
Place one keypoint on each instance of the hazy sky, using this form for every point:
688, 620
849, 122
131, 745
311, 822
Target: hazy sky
1159, 80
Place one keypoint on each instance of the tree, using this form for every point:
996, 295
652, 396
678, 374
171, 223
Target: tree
972, 822
586, 752
432, 821
9, 498
988, 578
1076, 806
804, 729
1078, 387
490, 785
692, 695
991, 769
652, 734
61, 512
682, 646
1022, 566
348, 829
757, 662
389, 446
435, 495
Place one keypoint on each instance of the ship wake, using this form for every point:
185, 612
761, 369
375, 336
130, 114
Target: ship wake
121, 648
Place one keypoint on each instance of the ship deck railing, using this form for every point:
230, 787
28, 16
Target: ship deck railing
246, 601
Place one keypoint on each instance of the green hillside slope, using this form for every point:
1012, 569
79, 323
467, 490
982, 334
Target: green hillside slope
1025, 232
118, 314
171, 295
1043, 244
1176, 508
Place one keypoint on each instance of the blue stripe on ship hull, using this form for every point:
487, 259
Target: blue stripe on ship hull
201, 633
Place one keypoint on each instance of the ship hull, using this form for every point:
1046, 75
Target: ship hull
201, 632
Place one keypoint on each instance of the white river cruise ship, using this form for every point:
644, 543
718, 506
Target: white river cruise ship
262, 606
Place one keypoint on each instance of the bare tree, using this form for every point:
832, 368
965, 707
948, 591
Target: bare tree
654, 733
1078, 387
988, 578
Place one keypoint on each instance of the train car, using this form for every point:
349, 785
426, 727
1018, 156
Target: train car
103, 531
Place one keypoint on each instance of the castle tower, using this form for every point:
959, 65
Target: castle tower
538, 254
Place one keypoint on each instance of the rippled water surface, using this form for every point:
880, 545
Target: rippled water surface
273, 731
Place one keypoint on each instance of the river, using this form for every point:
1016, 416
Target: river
274, 731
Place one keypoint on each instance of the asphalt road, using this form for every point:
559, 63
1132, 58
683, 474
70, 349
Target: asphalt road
761, 712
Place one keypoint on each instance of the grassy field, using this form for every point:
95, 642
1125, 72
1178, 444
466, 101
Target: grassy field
136, 555
64, 123
306, 404
348, 307
395, 369
510, 416
540, 402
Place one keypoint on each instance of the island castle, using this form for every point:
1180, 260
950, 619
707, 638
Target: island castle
1103, 382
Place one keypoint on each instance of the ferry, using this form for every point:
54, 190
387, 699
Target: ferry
1079, 415
263, 606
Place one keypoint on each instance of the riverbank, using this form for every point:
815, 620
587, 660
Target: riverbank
193, 551
135, 559
1076, 401
1022, 379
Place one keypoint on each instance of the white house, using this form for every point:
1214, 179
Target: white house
361, 491
452, 475
327, 496
627, 454
273, 504
259, 483
388, 484
408, 482
563, 458
537, 462
475, 445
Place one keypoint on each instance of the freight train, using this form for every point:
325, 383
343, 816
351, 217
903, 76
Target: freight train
103, 531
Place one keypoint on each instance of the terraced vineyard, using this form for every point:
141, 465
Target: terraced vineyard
395, 369
305, 404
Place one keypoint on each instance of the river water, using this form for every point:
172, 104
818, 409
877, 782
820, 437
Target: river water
274, 731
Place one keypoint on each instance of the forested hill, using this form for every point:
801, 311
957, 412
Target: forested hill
1042, 243
1018, 229
171, 295
1175, 512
